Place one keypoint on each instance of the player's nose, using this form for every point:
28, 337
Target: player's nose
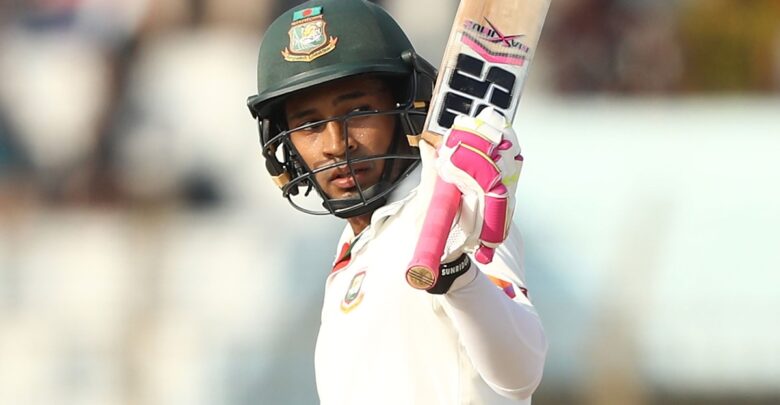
337, 140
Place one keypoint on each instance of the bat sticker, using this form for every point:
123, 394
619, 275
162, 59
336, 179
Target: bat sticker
485, 64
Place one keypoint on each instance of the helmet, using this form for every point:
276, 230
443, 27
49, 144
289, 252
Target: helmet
319, 42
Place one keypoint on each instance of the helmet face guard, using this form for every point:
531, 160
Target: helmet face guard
297, 179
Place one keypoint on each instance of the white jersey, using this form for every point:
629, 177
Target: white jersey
383, 342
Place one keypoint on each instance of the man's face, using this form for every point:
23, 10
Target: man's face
325, 144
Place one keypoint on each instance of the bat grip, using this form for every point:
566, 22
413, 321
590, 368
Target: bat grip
423, 270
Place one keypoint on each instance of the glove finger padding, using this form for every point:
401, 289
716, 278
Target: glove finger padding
482, 158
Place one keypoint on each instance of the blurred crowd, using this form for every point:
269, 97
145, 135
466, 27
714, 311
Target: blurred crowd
103, 100
98, 98
665, 47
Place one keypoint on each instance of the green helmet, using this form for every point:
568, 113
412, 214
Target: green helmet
325, 40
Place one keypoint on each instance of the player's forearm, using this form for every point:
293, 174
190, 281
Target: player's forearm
504, 339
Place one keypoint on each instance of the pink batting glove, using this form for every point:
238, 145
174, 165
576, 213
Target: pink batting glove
482, 158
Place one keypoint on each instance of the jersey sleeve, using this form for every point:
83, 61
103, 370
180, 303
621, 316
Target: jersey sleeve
498, 325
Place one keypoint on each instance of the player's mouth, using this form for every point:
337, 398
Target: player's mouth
343, 178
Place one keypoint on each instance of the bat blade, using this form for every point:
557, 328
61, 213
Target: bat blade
489, 51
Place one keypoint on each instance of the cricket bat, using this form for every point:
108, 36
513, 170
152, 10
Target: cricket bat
485, 63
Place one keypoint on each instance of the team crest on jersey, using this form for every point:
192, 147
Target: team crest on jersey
354, 295
308, 37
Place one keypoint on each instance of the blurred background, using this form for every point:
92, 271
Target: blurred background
147, 258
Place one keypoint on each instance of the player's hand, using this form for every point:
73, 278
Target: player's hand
481, 156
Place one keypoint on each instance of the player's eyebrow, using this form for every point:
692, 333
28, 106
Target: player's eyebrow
348, 96
336, 101
301, 114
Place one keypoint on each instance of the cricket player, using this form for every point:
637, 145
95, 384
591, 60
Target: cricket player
340, 101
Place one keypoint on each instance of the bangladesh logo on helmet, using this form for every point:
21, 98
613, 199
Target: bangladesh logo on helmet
308, 37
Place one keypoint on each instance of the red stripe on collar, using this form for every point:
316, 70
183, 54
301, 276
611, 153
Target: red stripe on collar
344, 257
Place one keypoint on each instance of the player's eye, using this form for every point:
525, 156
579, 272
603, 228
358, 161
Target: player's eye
362, 108
312, 126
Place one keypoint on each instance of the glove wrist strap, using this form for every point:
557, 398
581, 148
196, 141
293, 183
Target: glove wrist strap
448, 272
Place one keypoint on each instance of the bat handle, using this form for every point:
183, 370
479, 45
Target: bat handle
423, 270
